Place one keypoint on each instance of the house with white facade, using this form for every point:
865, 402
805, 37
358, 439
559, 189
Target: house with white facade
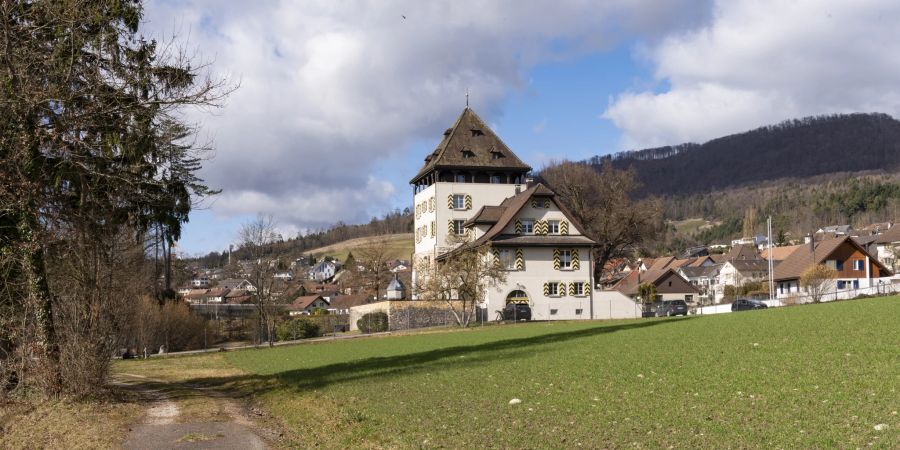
473, 185
855, 268
324, 270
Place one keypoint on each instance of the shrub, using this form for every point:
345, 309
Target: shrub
303, 327
373, 322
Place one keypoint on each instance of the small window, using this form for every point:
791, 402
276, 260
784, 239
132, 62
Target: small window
579, 288
839, 265
497, 155
476, 132
460, 178
459, 201
855, 284
495, 179
458, 228
688, 298
527, 226
507, 259
554, 289
553, 312
841, 284
565, 259
832, 264
553, 227
578, 312
468, 154
859, 265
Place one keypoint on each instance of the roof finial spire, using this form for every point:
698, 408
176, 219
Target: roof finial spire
467, 98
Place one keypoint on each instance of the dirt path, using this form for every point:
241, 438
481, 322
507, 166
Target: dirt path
188, 416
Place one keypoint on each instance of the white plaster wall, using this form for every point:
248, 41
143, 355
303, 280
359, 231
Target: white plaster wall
615, 305
538, 270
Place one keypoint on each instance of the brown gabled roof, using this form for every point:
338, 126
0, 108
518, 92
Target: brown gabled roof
540, 240
470, 134
349, 301
303, 302
749, 265
511, 207
631, 283
486, 215
780, 253
891, 235
742, 251
661, 263
802, 259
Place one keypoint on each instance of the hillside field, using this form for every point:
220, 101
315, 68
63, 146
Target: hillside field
817, 376
399, 246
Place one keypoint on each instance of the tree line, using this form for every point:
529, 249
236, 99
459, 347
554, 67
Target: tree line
98, 173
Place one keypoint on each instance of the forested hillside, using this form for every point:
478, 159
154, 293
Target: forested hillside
797, 148
394, 222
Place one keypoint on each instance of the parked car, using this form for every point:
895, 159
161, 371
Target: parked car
746, 304
668, 308
517, 311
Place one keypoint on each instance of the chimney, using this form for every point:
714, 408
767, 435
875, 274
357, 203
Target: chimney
812, 245
529, 181
807, 239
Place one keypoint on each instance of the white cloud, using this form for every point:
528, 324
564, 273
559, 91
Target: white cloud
760, 62
329, 89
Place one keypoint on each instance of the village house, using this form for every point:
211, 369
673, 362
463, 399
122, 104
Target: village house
200, 282
324, 270
855, 267
668, 283
473, 186
887, 246
237, 283
305, 305
705, 279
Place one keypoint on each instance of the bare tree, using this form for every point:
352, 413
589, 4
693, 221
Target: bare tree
817, 281
602, 202
255, 237
461, 278
373, 272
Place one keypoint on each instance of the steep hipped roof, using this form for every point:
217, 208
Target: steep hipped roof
700, 271
470, 143
802, 259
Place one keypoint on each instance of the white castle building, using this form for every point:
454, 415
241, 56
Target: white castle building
473, 183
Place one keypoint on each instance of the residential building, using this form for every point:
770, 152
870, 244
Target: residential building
473, 186
324, 270
887, 246
855, 267
200, 282
668, 283
236, 283
705, 279
306, 304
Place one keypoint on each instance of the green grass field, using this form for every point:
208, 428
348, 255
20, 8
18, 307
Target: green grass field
818, 376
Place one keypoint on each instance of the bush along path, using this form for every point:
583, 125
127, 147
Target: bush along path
185, 415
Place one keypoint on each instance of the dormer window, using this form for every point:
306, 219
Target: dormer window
476, 132
460, 178
496, 154
466, 154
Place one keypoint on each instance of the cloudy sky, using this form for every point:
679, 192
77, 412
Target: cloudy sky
339, 101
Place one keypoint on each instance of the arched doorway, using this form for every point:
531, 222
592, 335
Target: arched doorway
517, 296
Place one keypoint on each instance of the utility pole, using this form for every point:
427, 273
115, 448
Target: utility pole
771, 265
